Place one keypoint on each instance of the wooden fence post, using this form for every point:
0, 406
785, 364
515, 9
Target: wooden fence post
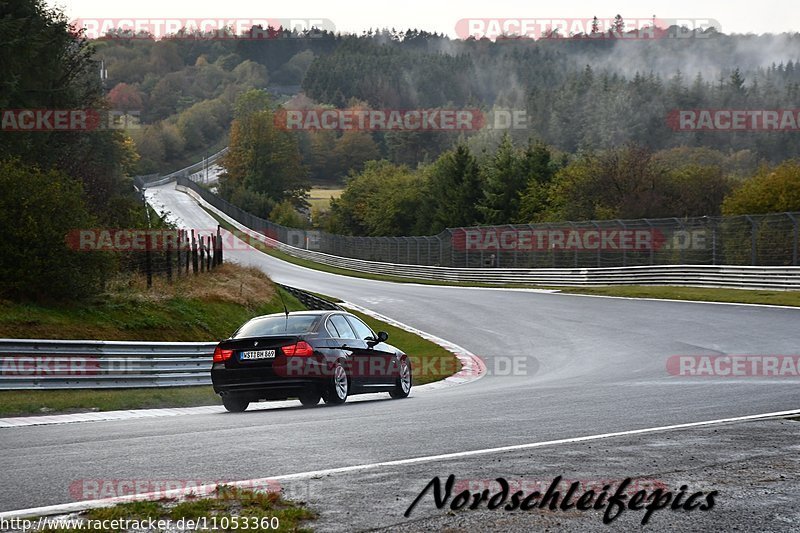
194, 254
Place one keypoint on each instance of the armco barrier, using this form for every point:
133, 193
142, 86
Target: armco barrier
154, 180
90, 364
29, 364
740, 277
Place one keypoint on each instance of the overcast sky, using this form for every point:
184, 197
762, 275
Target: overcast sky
734, 16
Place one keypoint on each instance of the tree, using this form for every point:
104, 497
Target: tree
383, 199
504, 180
36, 262
262, 158
620, 183
125, 98
352, 150
771, 190
285, 214
538, 168
595, 26
456, 189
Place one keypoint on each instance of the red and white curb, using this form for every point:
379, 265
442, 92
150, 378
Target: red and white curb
472, 367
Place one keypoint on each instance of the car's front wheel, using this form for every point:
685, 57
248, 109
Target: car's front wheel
403, 384
337, 388
234, 404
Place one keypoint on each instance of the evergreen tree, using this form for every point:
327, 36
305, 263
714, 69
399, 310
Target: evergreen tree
456, 190
503, 181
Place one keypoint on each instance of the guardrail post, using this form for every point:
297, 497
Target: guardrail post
652, 247
713, 223
574, 228
624, 250
599, 247
794, 241
753, 236
208, 253
466, 248
680, 247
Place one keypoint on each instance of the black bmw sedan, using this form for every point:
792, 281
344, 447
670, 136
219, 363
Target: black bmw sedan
307, 355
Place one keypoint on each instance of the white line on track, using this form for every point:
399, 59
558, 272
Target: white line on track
207, 489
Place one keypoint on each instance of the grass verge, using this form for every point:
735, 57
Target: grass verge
27, 402
789, 298
429, 361
786, 298
228, 508
207, 307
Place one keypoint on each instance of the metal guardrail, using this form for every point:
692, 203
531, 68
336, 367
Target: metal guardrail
90, 364
31, 364
154, 180
311, 301
760, 240
741, 277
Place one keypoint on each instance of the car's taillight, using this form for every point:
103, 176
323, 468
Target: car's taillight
221, 355
301, 349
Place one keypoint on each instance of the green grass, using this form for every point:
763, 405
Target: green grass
207, 307
236, 506
421, 351
787, 298
320, 197
26, 402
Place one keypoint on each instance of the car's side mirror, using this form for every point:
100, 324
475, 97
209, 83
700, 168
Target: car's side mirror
383, 336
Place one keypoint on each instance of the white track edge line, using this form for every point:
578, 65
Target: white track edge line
206, 489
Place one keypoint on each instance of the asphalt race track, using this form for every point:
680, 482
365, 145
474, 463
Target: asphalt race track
586, 366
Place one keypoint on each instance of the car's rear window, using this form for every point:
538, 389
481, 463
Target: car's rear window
276, 325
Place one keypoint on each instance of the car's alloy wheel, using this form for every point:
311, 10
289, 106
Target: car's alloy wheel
403, 385
337, 389
310, 398
234, 404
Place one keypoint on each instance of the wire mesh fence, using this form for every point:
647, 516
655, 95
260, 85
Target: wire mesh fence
757, 240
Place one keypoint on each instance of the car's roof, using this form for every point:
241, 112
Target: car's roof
302, 313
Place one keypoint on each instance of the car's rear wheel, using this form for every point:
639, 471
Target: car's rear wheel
309, 398
234, 404
403, 384
338, 387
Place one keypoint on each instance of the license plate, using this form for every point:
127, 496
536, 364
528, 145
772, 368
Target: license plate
257, 354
